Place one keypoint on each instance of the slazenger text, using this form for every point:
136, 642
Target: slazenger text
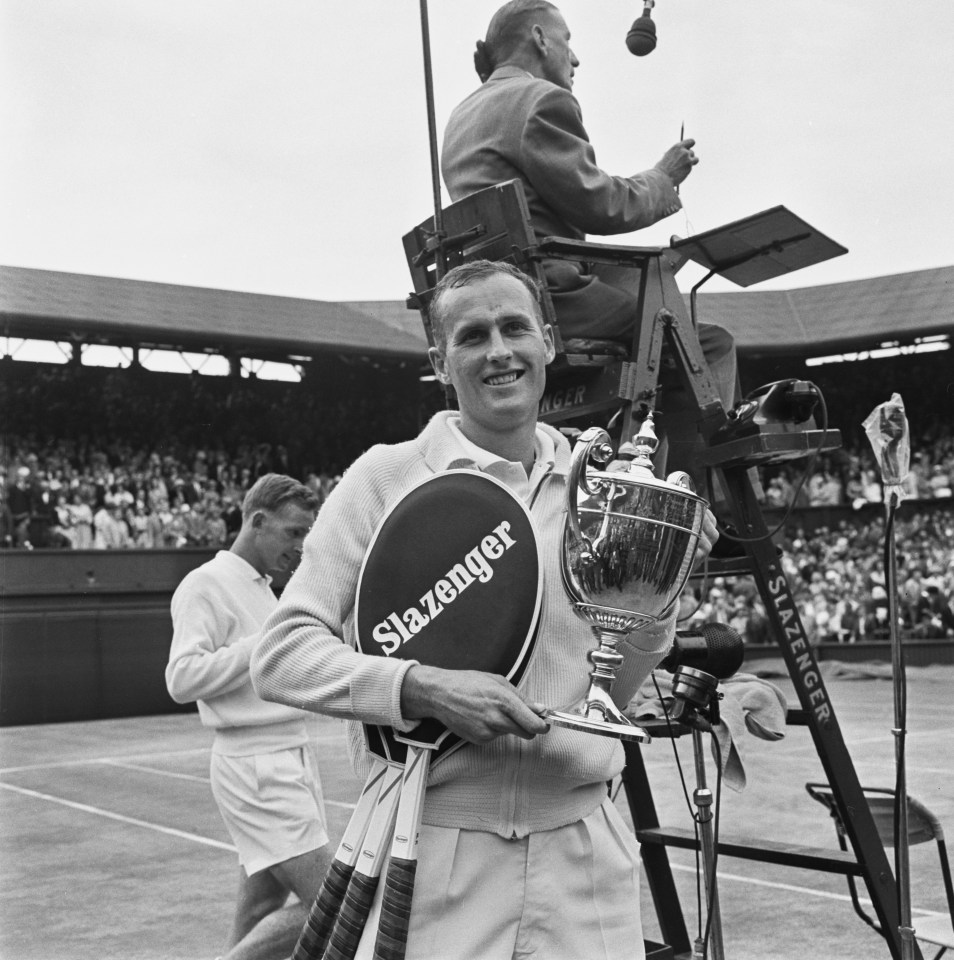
808, 671
396, 629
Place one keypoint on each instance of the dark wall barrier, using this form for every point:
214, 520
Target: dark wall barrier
812, 519
84, 635
917, 653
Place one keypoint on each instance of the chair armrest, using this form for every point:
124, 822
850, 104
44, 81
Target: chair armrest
563, 248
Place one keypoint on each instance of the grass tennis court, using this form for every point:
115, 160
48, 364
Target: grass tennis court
111, 845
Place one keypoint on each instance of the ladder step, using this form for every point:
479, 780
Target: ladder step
822, 859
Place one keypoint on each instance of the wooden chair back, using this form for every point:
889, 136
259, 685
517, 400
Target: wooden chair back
492, 224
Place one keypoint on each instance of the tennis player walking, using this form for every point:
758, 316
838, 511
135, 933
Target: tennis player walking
264, 768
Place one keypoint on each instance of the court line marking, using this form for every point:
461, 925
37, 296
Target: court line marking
154, 770
219, 845
793, 888
807, 756
53, 764
109, 815
157, 771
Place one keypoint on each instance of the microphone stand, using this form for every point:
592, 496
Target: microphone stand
887, 430
702, 798
899, 731
697, 706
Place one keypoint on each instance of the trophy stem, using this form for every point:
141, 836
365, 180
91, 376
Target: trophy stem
598, 713
606, 660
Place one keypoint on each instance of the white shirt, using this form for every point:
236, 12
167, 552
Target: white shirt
217, 614
510, 472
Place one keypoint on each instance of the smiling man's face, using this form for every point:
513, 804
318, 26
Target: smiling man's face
495, 354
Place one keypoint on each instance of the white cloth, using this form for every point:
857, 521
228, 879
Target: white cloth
749, 704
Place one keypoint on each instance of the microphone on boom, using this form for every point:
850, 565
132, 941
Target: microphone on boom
698, 662
641, 38
717, 649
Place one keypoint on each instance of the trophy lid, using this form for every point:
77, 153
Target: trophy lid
635, 465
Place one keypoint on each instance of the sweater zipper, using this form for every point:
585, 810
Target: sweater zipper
511, 789
511, 792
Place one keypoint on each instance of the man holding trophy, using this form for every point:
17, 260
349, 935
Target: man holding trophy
521, 852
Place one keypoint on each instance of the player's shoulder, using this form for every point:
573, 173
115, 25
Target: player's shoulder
208, 574
383, 456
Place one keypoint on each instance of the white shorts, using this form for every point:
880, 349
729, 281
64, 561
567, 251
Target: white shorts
271, 804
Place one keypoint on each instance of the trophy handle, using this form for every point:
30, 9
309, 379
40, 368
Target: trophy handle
682, 479
583, 452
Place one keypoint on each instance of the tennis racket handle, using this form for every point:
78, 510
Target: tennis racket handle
321, 919
395, 910
352, 917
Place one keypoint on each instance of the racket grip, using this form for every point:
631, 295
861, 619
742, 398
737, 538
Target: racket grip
321, 919
352, 917
395, 910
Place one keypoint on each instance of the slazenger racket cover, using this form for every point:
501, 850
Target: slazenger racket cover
452, 578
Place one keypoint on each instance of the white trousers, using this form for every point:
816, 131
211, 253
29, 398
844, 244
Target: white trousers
565, 894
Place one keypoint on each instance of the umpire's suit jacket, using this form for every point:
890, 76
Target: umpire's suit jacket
516, 126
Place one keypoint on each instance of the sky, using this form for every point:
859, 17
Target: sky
281, 146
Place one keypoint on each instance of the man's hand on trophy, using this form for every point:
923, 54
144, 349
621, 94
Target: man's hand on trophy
707, 538
677, 162
477, 706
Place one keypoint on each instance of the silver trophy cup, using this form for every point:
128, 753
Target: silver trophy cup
628, 548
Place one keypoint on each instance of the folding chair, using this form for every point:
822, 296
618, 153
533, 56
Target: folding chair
923, 826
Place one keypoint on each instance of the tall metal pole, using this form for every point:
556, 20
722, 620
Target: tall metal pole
900, 723
888, 432
432, 137
702, 796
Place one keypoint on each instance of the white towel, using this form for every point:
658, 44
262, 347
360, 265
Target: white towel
748, 703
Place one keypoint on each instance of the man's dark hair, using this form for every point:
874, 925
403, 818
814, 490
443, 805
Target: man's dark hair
470, 273
272, 491
506, 32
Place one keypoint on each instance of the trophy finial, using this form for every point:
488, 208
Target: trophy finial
639, 451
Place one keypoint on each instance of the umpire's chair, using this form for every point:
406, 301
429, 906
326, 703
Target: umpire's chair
588, 377
601, 379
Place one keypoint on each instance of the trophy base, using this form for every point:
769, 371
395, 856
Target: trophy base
603, 728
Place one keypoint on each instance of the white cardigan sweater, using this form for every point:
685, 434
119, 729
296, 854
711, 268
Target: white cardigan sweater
307, 658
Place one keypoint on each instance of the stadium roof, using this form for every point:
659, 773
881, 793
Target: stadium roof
836, 317
44, 304
831, 318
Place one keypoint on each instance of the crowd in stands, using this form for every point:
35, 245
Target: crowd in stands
854, 479
838, 582
107, 482
117, 497
133, 465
